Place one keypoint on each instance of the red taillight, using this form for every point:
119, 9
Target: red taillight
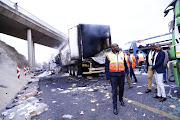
175, 66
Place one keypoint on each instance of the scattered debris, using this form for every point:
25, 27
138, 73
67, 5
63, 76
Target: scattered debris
97, 104
40, 108
144, 114
175, 91
59, 89
139, 93
134, 83
54, 83
31, 94
108, 97
33, 80
90, 90
65, 91
81, 113
53, 90
67, 116
93, 110
11, 115
3, 85
93, 100
135, 108
139, 86
172, 106
74, 85
129, 101
89, 77
54, 101
46, 85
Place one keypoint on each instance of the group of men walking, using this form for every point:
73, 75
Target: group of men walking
119, 65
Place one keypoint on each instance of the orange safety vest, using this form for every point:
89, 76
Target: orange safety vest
140, 57
132, 59
116, 61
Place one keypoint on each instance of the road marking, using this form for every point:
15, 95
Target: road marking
148, 107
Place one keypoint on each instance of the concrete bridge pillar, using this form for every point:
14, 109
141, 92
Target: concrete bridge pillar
31, 52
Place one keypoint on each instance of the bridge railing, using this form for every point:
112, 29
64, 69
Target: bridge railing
31, 16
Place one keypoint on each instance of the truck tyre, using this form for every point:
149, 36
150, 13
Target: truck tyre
69, 70
75, 70
72, 70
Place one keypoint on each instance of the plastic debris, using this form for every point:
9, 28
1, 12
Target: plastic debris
33, 80
93, 110
31, 94
144, 114
109, 108
135, 108
129, 101
67, 116
65, 91
139, 93
93, 100
90, 90
74, 85
22, 113
108, 97
54, 101
97, 104
11, 115
5, 113
41, 107
89, 77
139, 86
175, 91
134, 83
172, 106
60, 89
54, 83
3, 85
53, 90
10, 106
81, 113
46, 85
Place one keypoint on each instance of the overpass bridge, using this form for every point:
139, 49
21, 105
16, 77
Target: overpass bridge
19, 23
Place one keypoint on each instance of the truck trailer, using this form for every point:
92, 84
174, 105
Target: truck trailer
80, 53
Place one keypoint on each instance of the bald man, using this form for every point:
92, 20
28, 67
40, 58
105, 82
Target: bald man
115, 70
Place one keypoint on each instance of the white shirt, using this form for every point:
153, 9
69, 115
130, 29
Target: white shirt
150, 56
154, 62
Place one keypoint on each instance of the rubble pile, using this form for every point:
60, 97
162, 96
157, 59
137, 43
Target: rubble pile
25, 105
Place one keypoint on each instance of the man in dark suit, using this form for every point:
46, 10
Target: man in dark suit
158, 69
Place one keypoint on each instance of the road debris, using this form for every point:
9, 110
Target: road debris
139, 86
59, 89
54, 101
144, 114
90, 90
129, 101
135, 108
93, 110
11, 115
53, 90
97, 104
74, 85
81, 113
134, 83
139, 93
175, 91
67, 116
172, 106
93, 100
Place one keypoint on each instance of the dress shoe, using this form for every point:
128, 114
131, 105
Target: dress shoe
122, 103
162, 99
115, 111
148, 90
157, 97
136, 81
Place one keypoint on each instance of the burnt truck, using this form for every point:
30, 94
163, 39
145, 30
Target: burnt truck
84, 52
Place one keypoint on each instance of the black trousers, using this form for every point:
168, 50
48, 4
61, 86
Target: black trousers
115, 82
132, 73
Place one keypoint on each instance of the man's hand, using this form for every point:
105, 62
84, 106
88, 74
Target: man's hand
109, 81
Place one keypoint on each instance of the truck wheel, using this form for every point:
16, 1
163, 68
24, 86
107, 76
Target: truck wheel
69, 70
72, 70
76, 71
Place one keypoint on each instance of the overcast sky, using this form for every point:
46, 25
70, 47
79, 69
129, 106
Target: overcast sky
129, 19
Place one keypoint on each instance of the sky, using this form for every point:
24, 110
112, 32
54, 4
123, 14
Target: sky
128, 19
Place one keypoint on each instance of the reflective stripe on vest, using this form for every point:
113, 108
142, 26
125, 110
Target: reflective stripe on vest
116, 62
132, 59
140, 57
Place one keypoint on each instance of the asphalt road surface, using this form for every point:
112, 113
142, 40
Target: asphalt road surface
90, 98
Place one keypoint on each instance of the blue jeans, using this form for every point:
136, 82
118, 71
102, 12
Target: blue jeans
142, 64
